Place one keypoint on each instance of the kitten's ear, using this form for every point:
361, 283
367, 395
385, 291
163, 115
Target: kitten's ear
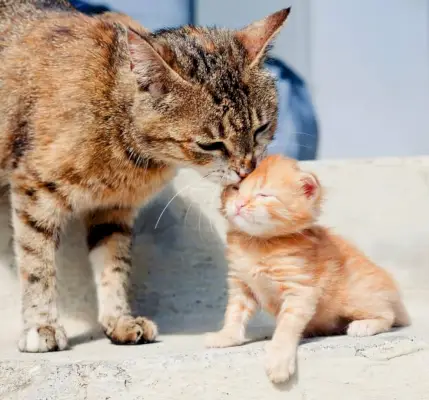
152, 62
257, 36
310, 185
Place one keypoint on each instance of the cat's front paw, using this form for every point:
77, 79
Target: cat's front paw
43, 338
129, 330
280, 363
222, 339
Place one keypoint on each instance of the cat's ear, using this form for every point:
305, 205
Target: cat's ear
152, 62
310, 185
257, 36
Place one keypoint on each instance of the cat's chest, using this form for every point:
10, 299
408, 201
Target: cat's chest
131, 191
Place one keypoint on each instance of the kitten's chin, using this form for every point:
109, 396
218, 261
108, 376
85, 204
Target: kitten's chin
244, 226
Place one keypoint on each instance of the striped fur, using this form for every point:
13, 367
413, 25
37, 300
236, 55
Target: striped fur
96, 115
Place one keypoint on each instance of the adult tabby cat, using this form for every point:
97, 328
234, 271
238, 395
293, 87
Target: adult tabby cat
94, 119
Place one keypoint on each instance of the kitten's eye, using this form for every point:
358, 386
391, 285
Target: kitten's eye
263, 195
262, 129
215, 146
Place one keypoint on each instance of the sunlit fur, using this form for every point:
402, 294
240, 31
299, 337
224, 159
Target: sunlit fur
96, 115
311, 280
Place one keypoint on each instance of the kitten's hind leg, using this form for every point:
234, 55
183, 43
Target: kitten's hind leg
38, 212
240, 309
370, 327
109, 242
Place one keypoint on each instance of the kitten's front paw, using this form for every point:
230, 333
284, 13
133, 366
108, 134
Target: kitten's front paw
280, 363
222, 339
43, 338
129, 330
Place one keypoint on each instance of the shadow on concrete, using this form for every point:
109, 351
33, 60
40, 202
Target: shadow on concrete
181, 269
179, 278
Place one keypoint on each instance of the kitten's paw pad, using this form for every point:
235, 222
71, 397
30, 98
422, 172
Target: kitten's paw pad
130, 330
43, 338
222, 339
280, 363
366, 327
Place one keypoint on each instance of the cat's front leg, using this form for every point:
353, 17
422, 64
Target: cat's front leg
240, 309
109, 242
298, 308
38, 212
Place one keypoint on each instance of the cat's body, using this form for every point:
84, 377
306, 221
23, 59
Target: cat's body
312, 281
95, 118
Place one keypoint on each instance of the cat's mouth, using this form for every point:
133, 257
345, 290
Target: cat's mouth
224, 178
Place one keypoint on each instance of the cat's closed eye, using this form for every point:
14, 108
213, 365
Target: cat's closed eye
214, 146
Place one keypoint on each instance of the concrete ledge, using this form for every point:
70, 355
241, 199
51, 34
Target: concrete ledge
382, 205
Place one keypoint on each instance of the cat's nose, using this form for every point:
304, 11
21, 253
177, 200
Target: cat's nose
243, 172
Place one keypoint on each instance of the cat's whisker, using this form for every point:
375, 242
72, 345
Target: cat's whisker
199, 224
187, 211
212, 200
172, 199
302, 133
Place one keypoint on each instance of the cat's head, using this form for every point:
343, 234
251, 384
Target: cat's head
277, 198
204, 98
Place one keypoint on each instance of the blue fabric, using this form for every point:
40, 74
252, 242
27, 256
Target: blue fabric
297, 134
89, 8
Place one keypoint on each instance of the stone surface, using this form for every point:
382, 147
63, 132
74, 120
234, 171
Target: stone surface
381, 205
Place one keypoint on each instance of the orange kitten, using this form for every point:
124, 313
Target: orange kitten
312, 281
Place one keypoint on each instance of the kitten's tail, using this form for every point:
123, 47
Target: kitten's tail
402, 318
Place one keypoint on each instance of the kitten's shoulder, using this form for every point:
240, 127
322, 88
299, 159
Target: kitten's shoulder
333, 245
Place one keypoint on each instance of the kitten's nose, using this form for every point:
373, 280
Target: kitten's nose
239, 204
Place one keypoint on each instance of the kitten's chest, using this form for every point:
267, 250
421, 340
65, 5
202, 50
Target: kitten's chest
266, 280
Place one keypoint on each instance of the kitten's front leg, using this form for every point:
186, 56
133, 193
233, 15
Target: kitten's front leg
109, 241
37, 214
298, 308
241, 307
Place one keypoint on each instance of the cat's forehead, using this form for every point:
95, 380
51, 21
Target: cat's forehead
202, 52
214, 59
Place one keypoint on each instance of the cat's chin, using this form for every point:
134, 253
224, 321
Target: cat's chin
221, 178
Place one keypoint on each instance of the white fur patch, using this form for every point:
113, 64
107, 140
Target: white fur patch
33, 341
98, 258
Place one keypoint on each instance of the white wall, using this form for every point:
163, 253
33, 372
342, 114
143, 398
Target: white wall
370, 76
291, 45
366, 63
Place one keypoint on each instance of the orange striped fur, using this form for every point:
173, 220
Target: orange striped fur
312, 281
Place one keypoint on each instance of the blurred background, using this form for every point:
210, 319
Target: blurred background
353, 76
